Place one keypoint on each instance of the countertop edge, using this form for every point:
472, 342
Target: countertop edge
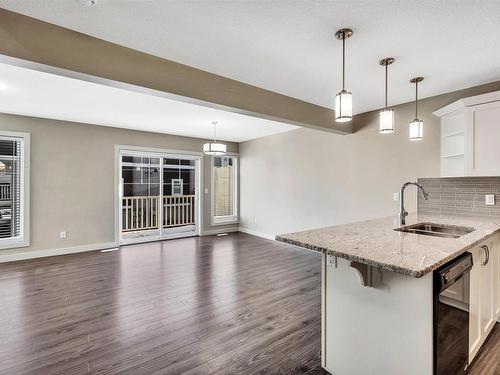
385, 266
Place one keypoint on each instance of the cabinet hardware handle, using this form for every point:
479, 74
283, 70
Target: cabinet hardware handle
486, 255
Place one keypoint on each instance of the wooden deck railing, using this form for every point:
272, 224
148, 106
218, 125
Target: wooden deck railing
178, 210
142, 213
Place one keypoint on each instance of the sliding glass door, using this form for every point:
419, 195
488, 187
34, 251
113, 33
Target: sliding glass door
158, 196
179, 195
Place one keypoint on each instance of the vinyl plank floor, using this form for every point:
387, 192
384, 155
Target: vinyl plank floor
236, 304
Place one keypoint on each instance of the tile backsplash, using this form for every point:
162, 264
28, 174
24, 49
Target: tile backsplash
460, 196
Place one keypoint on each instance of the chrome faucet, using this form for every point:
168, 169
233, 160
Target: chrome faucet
402, 212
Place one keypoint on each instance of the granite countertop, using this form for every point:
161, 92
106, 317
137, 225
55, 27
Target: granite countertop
376, 243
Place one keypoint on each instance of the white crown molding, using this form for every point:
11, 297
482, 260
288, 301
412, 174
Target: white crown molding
468, 102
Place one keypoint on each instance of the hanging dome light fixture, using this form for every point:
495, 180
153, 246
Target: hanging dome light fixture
417, 125
214, 148
343, 100
386, 116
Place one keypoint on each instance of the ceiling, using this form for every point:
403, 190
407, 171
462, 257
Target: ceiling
36, 93
288, 46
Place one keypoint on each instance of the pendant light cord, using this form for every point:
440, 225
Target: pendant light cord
386, 66
343, 60
416, 99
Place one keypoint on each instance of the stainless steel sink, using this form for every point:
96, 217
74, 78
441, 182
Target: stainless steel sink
436, 230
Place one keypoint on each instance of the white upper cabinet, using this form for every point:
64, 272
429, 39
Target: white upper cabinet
470, 136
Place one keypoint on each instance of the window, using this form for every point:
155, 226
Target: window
14, 189
224, 189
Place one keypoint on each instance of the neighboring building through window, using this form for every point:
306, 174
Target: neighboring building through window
14, 226
224, 189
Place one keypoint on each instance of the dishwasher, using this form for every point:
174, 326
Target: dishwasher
451, 316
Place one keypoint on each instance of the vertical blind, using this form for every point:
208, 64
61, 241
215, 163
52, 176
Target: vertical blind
10, 188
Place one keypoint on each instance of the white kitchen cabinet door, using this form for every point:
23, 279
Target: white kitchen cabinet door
495, 262
483, 140
470, 136
475, 331
483, 295
488, 317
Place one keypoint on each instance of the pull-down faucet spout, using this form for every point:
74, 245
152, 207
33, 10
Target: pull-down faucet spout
402, 212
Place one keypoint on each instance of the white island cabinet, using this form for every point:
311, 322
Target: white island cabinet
385, 329
470, 136
388, 328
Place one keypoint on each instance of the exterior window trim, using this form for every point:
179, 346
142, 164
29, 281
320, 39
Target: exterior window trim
24, 239
228, 219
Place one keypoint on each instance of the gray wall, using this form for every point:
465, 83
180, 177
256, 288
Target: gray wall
72, 178
306, 179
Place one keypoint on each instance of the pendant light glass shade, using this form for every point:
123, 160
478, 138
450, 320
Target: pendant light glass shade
386, 121
416, 130
343, 100
214, 148
343, 106
417, 125
386, 115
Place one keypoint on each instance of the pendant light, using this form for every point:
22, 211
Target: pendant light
417, 125
343, 100
386, 116
214, 148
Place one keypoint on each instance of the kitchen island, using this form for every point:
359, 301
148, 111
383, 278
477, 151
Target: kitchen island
377, 291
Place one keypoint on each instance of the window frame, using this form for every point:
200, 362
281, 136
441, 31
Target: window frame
24, 239
227, 219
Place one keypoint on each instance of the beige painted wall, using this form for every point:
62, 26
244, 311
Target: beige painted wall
72, 178
306, 179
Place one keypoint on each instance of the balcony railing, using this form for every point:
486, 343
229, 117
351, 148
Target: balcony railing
142, 213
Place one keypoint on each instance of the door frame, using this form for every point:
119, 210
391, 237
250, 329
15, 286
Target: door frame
158, 152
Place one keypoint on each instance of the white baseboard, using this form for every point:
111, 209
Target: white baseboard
23, 255
258, 234
211, 232
53, 252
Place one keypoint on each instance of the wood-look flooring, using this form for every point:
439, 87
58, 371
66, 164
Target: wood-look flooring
236, 304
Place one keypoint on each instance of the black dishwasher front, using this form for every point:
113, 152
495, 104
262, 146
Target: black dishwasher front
451, 316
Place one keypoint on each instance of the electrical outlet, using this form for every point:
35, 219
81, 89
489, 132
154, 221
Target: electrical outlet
206, 190
62, 235
330, 260
489, 199
395, 197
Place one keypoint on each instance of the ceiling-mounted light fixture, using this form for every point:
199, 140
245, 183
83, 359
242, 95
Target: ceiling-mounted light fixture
417, 125
214, 148
386, 116
343, 100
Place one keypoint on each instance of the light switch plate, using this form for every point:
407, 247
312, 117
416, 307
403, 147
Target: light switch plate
489, 199
395, 196
62, 235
